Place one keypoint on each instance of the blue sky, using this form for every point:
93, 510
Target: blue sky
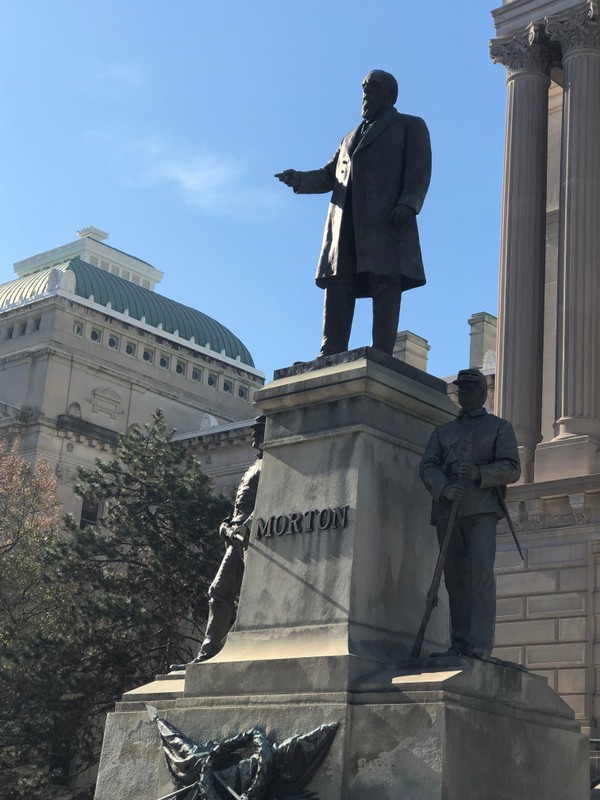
163, 123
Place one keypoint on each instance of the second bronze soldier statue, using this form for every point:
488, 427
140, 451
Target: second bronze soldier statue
468, 461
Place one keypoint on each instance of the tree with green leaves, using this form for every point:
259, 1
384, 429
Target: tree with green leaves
130, 591
33, 610
150, 558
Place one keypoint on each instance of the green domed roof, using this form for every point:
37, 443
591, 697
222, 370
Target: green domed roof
139, 303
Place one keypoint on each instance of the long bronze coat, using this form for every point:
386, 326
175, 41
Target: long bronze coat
391, 165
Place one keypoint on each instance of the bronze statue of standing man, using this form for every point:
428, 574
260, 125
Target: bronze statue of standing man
378, 177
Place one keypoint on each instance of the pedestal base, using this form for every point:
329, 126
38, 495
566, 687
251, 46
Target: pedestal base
470, 731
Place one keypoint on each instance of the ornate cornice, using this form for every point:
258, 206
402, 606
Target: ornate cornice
577, 29
526, 51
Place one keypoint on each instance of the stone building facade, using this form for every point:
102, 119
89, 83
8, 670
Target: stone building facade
88, 349
548, 377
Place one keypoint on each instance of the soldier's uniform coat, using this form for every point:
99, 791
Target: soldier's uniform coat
489, 442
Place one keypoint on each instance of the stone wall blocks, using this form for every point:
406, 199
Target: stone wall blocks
543, 656
508, 559
557, 554
515, 654
572, 629
526, 583
510, 608
556, 605
530, 632
572, 681
573, 579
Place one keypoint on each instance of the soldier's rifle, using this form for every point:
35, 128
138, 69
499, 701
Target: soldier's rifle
433, 593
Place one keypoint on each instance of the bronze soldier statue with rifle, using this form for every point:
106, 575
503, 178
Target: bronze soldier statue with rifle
466, 466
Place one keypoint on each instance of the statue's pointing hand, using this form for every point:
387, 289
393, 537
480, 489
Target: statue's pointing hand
290, 177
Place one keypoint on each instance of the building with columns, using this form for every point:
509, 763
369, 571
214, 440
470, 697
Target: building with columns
548, 373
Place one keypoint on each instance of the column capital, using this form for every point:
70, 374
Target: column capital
526, 51
577, 29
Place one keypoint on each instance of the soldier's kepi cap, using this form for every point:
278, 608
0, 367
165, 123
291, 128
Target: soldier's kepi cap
259, 422
471, 376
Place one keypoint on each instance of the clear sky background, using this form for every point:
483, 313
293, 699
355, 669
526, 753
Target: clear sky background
163, 123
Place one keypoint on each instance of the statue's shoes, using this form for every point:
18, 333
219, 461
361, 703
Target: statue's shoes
198, 660
482, 655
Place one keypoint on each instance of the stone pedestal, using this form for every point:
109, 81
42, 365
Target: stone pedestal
340, 558
463, 732
346, 436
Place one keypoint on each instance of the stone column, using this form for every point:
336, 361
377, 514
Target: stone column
578, 370
526, 57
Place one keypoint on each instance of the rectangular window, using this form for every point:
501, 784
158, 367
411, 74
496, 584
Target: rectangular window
89, 513
93, 261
